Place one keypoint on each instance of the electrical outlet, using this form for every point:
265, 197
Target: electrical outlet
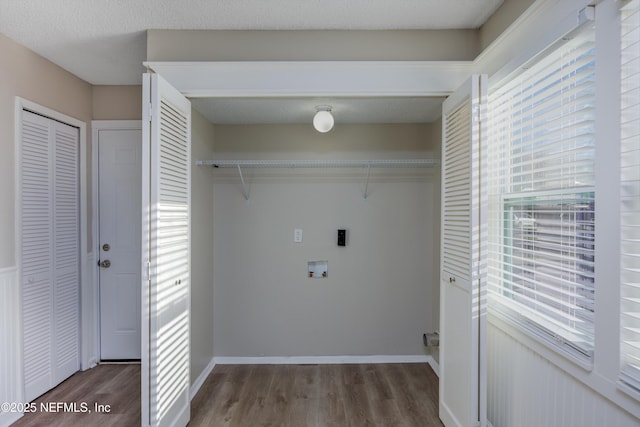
297, 235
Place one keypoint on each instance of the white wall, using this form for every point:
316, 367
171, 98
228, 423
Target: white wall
379, 296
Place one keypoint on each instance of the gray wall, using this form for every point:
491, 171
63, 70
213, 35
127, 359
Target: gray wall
380, 295
202, 137
117, 102
310, 45
501, 19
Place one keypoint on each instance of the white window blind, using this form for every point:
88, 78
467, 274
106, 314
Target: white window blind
542, 199
630, 194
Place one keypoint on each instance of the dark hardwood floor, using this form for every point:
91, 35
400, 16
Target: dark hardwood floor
260, 395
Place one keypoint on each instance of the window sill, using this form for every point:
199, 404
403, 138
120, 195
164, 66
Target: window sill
629, 391
537, 342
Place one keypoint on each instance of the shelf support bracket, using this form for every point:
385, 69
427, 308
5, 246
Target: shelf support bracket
366, 183
245, 193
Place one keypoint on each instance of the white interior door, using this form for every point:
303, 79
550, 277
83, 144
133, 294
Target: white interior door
463, 254
119, 188
165, 250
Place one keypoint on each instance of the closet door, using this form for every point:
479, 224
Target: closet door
166, 245
66, 252
49, 252
462, 275
37, 247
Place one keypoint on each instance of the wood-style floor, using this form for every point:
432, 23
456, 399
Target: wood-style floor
318, 395
261, 395
115, 385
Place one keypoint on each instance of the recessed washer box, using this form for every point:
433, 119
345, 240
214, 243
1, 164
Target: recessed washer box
318, 269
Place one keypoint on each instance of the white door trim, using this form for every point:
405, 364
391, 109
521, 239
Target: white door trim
96, 127
313, 78
22, 104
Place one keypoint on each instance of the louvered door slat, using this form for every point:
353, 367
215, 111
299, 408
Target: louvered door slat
37, 264
169, 237
172, 255
49, 252
456, 191
66, 253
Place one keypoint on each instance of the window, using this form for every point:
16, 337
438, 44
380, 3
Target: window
542, 197
630, 194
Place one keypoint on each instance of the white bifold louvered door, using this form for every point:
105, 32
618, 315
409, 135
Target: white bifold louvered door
463, 265
166, 253
50, 252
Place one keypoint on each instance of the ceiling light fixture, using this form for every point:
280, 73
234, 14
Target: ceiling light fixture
323, 120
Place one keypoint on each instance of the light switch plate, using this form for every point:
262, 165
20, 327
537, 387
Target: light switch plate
297, 235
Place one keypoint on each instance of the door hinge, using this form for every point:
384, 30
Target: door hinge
149, 113
479, 113
147, 271
476, 113
588, 14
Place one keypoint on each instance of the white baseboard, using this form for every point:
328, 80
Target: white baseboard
434, 365
321, 360
93, 362
195, 387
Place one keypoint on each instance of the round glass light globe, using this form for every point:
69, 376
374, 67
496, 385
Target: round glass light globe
323, 121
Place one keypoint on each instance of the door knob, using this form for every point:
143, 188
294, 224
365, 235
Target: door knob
105, 264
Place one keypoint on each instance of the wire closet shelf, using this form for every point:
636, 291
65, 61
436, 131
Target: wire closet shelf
382, 163
340, 163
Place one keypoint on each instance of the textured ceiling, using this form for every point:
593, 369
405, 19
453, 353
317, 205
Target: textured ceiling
103, 41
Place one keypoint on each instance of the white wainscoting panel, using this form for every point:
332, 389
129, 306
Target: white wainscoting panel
525, 389
10, 345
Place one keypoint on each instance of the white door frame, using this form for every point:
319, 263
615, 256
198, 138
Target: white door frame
86, 355
94, 308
